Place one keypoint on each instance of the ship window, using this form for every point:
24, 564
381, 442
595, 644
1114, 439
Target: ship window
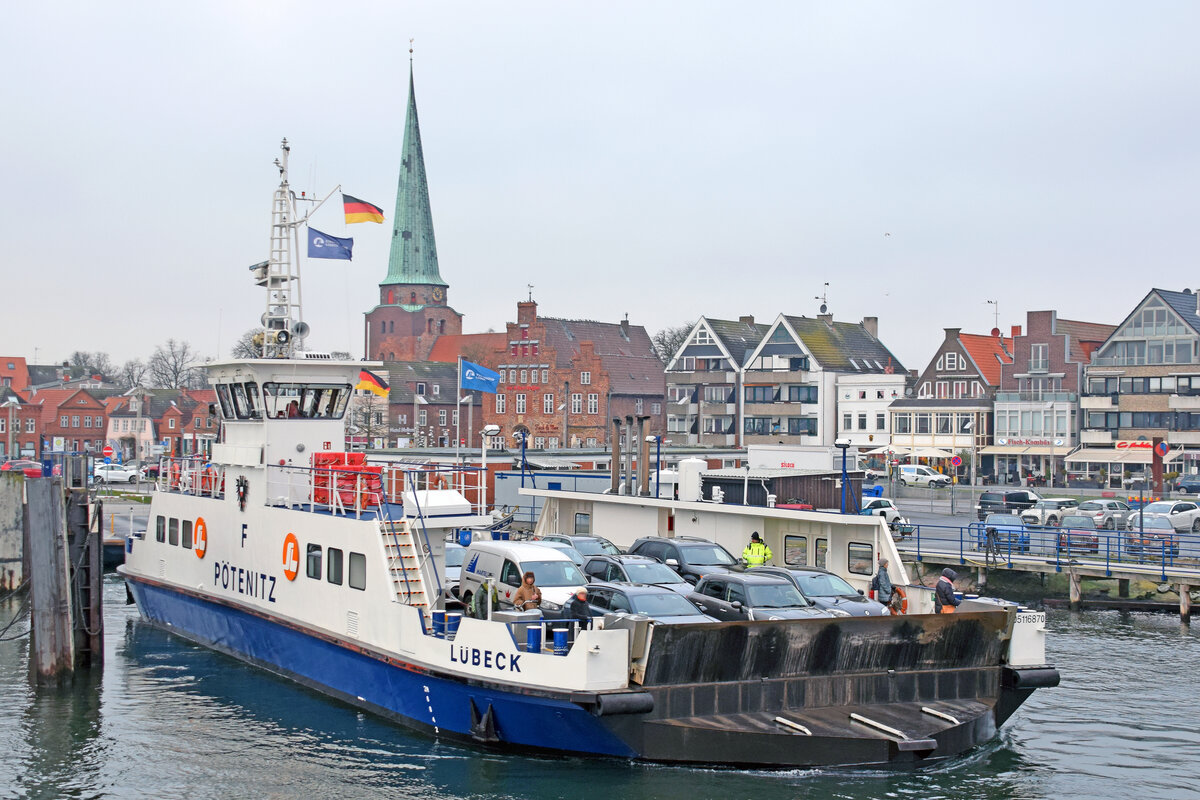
313, 562
226, 403
795, 550
358, 571
160, 528
187, 534
859, 558
173, 532
245, 400
822, 552
312, 400
583, 523
333, 569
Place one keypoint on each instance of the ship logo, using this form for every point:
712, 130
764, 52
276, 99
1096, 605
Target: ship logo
291, 557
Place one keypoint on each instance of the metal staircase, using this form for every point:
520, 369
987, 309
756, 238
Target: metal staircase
407, 563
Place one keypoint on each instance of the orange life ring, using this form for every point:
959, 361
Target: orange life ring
439, 482
903, 601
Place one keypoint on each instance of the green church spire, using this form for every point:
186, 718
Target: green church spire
414, 253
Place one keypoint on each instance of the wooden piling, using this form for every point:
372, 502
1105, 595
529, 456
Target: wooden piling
1185, 602
1076, 591
1123, 587
51, 614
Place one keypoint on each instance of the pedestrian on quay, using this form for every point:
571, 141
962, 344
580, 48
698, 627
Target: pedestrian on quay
756, 553
881, 584
529, 596
944, 601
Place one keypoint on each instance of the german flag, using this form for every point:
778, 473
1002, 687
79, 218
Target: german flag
360, 211
372, 383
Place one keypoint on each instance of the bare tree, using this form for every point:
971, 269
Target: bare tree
132, 373
668, 341
82, 363
175, 365
245, 347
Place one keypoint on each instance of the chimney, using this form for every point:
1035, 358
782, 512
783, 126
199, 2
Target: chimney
1016, 331
952, 334
746, 320
826, 318
871, 324
526, 312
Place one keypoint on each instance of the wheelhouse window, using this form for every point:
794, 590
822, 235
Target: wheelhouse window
245, 400
306, 400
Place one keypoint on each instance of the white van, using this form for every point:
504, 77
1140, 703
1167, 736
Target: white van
917, 475
505, 562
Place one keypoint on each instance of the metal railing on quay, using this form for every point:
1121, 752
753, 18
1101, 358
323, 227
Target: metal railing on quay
1165, 553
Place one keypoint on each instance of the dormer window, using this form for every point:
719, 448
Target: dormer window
421, 389
702, 337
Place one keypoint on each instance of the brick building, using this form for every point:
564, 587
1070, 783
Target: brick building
20, 426
71, 419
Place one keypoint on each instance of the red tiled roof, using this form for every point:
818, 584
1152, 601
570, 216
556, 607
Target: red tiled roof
988, 352
18, 375
626, 352
450, 346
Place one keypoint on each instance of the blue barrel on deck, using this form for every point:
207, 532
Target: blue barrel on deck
560, 641
452, 620
439, 624
464, 538
533, 639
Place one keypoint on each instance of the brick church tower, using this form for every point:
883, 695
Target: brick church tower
413, 308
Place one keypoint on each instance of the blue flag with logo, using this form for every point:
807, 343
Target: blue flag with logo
322, 245
480, 379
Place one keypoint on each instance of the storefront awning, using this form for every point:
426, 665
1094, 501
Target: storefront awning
1024, 450
1112, 455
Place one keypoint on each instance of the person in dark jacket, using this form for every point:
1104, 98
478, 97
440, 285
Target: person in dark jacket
577, 609
944, 601
882, 583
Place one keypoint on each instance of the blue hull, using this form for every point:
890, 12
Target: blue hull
441, 705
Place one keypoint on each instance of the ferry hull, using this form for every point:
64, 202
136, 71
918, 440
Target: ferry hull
728, 723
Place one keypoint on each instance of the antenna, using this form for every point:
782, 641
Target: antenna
824, 298
995, 316
530, 287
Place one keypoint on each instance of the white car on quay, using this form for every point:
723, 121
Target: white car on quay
115, 473
1184, 515
920, 475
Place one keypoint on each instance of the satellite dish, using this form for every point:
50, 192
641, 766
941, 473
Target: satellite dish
300, 329
995, 331
824, 308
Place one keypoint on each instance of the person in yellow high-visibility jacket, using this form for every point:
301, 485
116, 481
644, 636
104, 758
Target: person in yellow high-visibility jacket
756, 553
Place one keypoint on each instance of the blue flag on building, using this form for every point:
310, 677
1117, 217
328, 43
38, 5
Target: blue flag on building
322, 245
479, 379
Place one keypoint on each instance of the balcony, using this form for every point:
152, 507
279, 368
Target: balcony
1183, 437
1184, 402
1036, 397
1098, 402
1095, 436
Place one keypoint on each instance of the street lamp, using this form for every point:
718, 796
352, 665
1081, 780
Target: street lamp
488, 430
843, 445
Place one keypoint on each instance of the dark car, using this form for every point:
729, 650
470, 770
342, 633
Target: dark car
1188, 484
732, 598
692, 558
655, 602
1078, 535
634, 569
827, 591
587, 545
1013, 501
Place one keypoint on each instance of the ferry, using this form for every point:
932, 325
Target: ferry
289, 553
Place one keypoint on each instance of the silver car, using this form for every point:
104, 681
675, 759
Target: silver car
1183, 515
1107, 514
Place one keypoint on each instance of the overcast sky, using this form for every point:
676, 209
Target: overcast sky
662, 159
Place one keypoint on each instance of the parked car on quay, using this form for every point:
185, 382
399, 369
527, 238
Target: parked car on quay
1156, 538
691, 557
634, 569
1184, 515
115, 473
827, 591
586, 545
1078, 535
1049, 512
18, 464
1188, 484
918, 475
150, 471
752, 595
1006, 530
881, 507
662, 605
453, 567
1105, 513
1012, 501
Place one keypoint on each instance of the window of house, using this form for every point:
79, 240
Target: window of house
802, 394
74, 420
802, 426
638, 405
312, 561
966, 423
943, 389
576, 403
499, 404
1039, 357
357, 572
512, 376
951, 361
759, 426
923, 423
862, 422
524, 376
87, 421
171, 423
533, 376
442, 417
591, 442
585, 378
902, 423
879, 394
545, 376
539, 443
29, 423
502, 374
333, 566
846, 422
943, 422
421, 389
656, 408
960, 389
702, 337
547, 403
862, 395
437, 389
593, 406
423, 418
520, 402
760, 394
880, 421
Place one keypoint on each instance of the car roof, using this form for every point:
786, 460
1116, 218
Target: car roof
623, 558
746, 577
631, 588
522, 550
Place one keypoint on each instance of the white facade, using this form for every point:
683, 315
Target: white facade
862, 407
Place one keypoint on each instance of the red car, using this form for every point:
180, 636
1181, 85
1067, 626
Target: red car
1078, 534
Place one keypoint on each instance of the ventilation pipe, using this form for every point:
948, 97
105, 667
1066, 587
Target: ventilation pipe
629, 451
615, 466
643, 458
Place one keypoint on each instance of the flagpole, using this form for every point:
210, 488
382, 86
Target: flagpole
457, 426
